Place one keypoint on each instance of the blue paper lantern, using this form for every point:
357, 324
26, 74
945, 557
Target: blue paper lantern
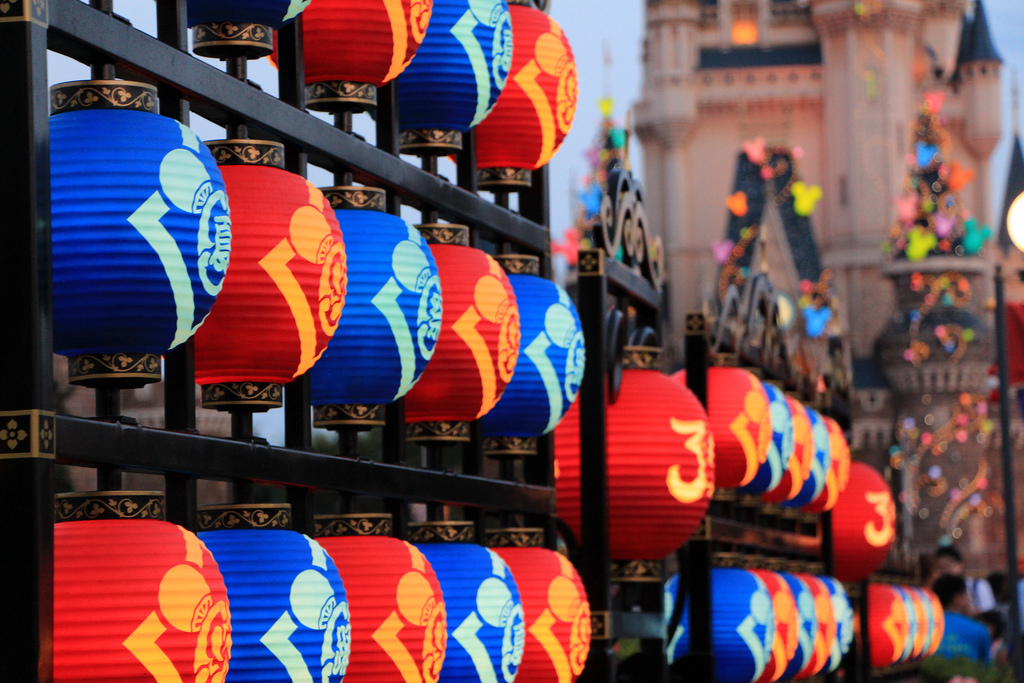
550, 367
783, 443
807, 624
289, 612
742, 625
141, 228
843, 611
486, 628
272, 13
820, 464
392, 316
457, 75
912, 623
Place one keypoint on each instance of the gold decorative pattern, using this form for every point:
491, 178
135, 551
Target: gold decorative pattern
244, 516
335, 96
90, 505
233, 39
728, 560
641, 357
696, 325
355, 197
501, 447
636, 571
435, 432
445, 233
26, 434
247, 153
35, 11
519, 264
126, 370
503, 178
364, 524
81, 95
430, 141
255, 396
591, 262
336, 416
442, 532
600, 622
703, 531
725, 360
515, 537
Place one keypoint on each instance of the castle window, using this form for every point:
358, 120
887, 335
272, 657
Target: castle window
744, 23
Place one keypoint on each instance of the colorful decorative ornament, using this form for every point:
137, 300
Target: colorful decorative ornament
140, 227
787, 625
783, 444
737, 204
825, 636
807, 624
842, 610
283, 301
863, 524
803, 455
838, 475
239, 28
805, 197
814, 485
974, 236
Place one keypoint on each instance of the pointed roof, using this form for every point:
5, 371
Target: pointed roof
976, 40
1014, 186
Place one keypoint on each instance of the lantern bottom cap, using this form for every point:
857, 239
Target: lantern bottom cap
341, 96
224, 39
505, 178
430, 141
504, 447
254, 397
339, 416
128, 370
438, 432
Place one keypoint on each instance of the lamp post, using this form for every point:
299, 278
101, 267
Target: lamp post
1015, 224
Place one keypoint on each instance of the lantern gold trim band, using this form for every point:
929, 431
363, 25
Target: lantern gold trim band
338, 96
430, 141
255, 396
636, 571
600, 622
86, 95
124, 370
502, 447
445, 233
448, 431
91, 505
335, 416
247, 153
519, 264
515, 537
641, 357
244, 516
233, 39
442, 532
503, 178
33, 11
344, 197
27, 434
362, 524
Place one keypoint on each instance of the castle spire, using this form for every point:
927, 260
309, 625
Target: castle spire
976, 40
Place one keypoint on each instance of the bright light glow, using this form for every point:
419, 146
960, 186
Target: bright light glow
1015, 221
744, 32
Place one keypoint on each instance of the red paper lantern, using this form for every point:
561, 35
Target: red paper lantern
535, 110
285, 289
477, 349
938, 621
557, 615
803, 455
135, 598
740, 419
660, 463
888, 624
353, 46
828, 629
863, 524
787, 625
921, 619
398, 618
838, 475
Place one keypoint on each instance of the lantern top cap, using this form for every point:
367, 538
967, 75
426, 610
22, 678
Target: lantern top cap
515, 537
109, 505
349, 197
445, 233
641, 357
519, 264
244, 516
442, 532
247, 153
360, 524
103, 94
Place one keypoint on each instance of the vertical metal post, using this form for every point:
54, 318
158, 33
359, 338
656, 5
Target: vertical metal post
1006, 451
26, 361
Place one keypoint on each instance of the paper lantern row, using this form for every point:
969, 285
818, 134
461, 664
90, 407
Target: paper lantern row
767, 626
269, 605
905, 623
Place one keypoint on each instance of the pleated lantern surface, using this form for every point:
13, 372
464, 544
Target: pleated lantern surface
457, 75
807, 624
486, 627
923, 621
787, 625
557, 614
283, 299
799, 468
937, 621
140, 227
354, 46
478, 347
825, 637
780, 449
550, 367
239, 28
660, 460
742, 625
888, 625
842, 610
399, 627
838, 475
289, 613
740, 419
134, 598
863, 524
535, 110
814, 485
392, 318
